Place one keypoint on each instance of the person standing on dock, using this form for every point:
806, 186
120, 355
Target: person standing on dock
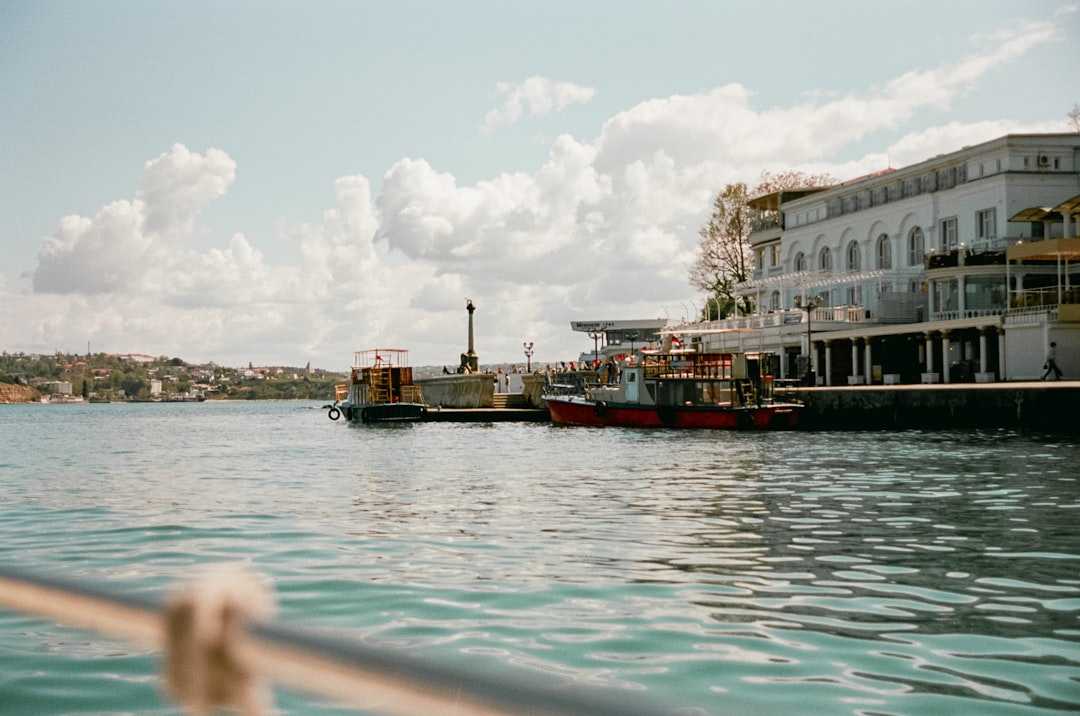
1051, 363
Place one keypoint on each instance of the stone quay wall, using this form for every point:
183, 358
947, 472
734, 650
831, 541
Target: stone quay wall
1041, 406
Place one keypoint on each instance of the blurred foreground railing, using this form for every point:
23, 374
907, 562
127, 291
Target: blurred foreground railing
219, 657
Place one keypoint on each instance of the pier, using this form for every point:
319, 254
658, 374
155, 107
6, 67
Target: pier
1038, 405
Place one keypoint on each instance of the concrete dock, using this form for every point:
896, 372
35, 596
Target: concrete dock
1053, 406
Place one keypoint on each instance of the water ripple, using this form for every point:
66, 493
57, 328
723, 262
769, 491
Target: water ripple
830, 573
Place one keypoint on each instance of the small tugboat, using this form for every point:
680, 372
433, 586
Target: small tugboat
380, 390
676, 388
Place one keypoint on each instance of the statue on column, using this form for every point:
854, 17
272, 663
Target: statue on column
470, 362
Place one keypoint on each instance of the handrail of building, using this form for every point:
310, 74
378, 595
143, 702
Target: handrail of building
363, 676
1046, 296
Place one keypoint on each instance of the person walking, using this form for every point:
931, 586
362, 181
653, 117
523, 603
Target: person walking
1051, 363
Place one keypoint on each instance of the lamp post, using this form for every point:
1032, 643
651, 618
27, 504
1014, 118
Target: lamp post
810, 305
632, 336
595, 335
528, 356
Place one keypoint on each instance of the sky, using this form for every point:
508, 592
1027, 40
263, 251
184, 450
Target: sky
283, 183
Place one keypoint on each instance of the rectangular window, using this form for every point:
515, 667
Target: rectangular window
759, 259
949, 239
986, 224
774, 258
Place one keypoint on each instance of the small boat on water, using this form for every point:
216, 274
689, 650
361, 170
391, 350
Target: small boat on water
380, 389
675, 388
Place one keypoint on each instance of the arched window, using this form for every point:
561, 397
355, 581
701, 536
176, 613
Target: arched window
774, 301
800, 262
825, 259
854, 258
884, 252
916, 247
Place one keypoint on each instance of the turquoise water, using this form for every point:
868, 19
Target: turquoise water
779, 573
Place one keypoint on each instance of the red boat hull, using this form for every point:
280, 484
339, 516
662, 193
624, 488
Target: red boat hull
576, 411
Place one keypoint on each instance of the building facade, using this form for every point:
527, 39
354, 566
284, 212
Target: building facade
960, 268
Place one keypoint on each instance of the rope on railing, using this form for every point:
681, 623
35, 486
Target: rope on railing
217, 650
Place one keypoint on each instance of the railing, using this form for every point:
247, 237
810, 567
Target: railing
966, 257
1049, 296
218, 651
1031, 315
967, 313
411, 394
764, 223
791, 316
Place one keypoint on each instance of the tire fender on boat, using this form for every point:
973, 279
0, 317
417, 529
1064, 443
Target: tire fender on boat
600, 409
364, 415
333, 414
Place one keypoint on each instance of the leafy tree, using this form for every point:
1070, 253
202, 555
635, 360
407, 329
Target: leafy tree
724, 256
1074, 117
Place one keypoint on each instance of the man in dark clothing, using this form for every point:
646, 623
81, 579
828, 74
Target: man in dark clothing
1051, 363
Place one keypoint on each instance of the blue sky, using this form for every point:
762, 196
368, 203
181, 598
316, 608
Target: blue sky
284, 182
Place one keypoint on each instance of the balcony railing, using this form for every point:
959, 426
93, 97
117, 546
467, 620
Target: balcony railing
793, 316
968, 313
966, 257
1042, 297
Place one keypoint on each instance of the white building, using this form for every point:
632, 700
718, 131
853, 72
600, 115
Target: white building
954, 269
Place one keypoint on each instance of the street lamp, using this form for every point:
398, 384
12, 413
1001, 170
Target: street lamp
595, 335
632, 336
528, 356
811, 304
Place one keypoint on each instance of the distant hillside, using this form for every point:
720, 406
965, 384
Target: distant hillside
12, 393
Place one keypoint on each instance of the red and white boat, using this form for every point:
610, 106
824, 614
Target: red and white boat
678, 388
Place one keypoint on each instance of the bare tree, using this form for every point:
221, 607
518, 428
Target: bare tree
724, 256
1074, 117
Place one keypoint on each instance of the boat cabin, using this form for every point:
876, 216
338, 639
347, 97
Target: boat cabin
381, 376
686, 378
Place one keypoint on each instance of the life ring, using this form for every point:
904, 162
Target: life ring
334, 414
600, 409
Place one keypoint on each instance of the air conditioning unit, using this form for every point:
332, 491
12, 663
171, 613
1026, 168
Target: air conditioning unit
1044, 161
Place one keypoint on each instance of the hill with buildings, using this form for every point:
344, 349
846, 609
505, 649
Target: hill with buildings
133, 377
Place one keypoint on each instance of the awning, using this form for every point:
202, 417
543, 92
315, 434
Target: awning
1045, 250
1037, 213
1070, 206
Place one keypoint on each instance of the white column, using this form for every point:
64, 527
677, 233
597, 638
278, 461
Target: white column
1001, 354
828, 363
929, 354
944, 356
854, 357
869, 367
982, 350
961, 302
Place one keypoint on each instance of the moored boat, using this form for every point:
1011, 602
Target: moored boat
675, 388
380, 389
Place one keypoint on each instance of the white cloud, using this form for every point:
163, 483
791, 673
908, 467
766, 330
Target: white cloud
176, 186
536, 95
604, 228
